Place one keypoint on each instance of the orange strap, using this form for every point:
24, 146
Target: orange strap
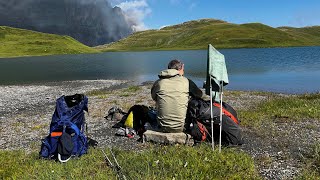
227, 113
55, 134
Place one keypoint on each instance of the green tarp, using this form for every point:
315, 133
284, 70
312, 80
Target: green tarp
217, 70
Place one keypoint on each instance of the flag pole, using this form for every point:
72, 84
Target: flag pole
221, 89
211, 115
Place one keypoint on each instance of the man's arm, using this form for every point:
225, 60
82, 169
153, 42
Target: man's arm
154, 91
194, 91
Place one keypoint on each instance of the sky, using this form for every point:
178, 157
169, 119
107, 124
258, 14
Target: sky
154, 14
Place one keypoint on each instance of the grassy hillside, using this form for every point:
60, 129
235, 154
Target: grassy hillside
198, 34
19, 42
189, 35
307, 34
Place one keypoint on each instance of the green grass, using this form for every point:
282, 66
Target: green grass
19, 165
133, 89
19, 42
312, 169
283, 108
182, 162
199, 33
100, 93
195, 34
158, 162
129, 91
103, 93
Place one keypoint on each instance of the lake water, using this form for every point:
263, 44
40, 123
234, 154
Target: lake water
288, 70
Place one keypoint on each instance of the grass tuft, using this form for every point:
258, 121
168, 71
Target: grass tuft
98, 92
312, 169
133, 89
130, 91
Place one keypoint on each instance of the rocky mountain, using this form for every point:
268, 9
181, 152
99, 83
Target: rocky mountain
91, 22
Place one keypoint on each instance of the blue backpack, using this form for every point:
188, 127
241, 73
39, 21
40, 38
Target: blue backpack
66, 137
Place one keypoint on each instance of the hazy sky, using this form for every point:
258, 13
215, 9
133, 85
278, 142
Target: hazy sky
158, 13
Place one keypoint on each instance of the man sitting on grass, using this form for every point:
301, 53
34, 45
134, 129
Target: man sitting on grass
171, 93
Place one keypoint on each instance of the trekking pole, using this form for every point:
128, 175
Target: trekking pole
211, 116
109, 163
115, 166
118, 167
221, 113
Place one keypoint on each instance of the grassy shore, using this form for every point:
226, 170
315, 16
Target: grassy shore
283, 108
16, 42
261, 114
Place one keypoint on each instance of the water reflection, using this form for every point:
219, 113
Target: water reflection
270, 69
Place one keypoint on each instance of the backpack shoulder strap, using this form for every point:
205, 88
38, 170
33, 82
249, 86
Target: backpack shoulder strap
227, 113
75, 128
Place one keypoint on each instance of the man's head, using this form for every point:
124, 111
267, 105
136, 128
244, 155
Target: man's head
176, 64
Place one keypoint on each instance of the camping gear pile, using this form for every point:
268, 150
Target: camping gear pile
206, 120
214, 119
136, 121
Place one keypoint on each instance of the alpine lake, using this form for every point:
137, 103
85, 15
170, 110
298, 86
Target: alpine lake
292, 70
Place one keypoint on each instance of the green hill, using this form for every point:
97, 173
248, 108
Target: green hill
310, 35
199, 33
19, 42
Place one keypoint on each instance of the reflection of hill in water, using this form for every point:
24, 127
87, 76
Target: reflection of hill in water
91, 22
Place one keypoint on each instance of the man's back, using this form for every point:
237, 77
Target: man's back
171, 94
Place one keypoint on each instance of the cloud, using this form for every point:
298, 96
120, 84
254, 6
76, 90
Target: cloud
135, 11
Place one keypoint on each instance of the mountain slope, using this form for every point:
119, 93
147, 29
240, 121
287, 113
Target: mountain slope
19, 42
310, 35
199, 33
91, 22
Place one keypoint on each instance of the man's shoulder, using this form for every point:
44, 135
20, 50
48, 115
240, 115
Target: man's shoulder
180, 79
183, 77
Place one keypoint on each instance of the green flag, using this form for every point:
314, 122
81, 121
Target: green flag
217, 70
